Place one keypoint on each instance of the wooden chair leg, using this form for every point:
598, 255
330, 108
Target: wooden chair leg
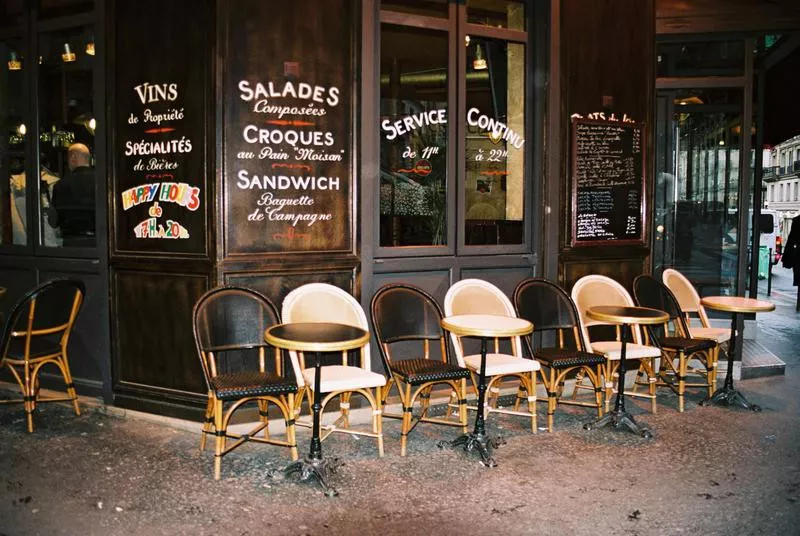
219, 444
70, 384
208, 419
552, 397
608, 376
407, 409
681, 380
598, 390
462, 405
263, 415
532, 401
291, 431
28, 399
377, 419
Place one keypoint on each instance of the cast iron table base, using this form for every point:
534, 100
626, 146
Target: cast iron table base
478, 441
320, 470
618, 417
727, 395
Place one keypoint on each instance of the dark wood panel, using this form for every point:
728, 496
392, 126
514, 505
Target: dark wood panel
17, 281
89, 343
287, 138
606, 61
152, 330
506, 279
434, 283
708, 16
622, 270
276, 285
161, 87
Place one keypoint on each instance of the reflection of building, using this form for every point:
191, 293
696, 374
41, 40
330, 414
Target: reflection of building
782, 182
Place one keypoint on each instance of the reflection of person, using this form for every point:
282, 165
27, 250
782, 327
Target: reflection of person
73, 199
791, 255
19, 206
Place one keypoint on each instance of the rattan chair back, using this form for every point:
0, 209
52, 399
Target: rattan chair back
592, 290
550, 309
686, 294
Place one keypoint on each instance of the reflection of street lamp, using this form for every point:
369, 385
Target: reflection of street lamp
479, 63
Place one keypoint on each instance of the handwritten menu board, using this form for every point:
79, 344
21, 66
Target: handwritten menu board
159, 142
288, 124
607, 182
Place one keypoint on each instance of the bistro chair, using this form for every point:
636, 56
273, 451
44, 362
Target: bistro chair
476, 296
551, 311
239, 367
321, 302
591, 290
37, 333
680, 350
689, 302
403, 315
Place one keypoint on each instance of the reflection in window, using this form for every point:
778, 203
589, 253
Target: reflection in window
13, 133
413, 134
495, 138
497, 13
66, 139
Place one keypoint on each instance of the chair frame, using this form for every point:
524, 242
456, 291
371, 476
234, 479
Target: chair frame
342, 423
423, 389
668, 367
553, 378
610, 371
216, 418
26, 370
527, 380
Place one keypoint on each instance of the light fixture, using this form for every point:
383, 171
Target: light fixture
722, 142
68, 56
22, 129
478, 63
90, 47
466, 40
14, 63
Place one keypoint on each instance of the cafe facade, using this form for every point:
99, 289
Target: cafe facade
269, 145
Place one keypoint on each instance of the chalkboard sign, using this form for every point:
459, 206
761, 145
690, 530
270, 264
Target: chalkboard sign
607, 182
288, 159
160, 85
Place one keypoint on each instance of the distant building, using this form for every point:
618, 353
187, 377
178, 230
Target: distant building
782, 182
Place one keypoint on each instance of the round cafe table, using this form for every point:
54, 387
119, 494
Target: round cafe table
736, 305
316, 337
625, 317
484, 327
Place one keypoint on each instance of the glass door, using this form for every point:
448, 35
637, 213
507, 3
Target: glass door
697, 200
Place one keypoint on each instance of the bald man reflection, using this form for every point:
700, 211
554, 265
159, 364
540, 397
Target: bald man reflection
72, 209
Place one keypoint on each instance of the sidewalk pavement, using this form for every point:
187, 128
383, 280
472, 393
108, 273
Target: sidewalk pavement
708, 470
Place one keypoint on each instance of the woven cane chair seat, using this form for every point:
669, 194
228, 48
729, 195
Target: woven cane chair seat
416, 371
686, 345
561, 358
236, 385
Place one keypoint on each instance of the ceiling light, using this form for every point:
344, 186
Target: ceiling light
478, 63
68, 56
14, 63
90, 47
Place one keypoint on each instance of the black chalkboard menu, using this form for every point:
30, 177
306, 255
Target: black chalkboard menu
607, 168
288, 122
160, 81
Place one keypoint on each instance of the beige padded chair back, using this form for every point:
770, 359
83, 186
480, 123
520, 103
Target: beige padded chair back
321, 302
685, 293
593, 290
477, 297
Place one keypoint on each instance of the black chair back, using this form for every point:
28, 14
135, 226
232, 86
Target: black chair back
43, 317
403, 312
650, 292
548, 307
229, 324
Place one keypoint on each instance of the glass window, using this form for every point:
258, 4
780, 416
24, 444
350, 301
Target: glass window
429, 8
497, 13
711, 58
413, 131
49, 9
13, 134
66, 139
494, 193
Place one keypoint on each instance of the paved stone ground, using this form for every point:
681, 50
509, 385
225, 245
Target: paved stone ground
711, 471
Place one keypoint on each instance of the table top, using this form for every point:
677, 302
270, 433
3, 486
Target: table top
737, 304
617, 314
487, 325
316, 336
